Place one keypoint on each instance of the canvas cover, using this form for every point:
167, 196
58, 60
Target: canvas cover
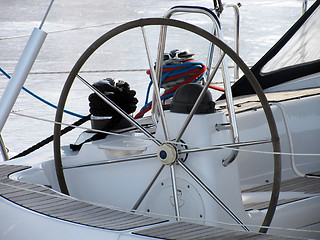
295, 55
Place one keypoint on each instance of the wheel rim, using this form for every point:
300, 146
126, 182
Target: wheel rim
206, 35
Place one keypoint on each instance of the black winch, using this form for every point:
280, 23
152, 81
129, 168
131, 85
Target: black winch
186, 96
104, 117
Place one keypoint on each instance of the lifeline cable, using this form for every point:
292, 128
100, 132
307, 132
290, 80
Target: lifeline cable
50, 138
172, 142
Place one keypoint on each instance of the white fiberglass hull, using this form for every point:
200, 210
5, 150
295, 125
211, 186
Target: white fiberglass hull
121, 184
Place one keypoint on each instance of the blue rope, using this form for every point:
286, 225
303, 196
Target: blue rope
161, 97
188, 66
41, 99
185, 67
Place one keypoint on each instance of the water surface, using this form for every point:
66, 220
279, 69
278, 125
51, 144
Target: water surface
73, 25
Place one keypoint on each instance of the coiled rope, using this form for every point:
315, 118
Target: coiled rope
174, 76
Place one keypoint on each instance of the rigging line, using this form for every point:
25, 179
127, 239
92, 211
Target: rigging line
99, 71
40, 106
272, 153
68, 29
179, 143
40, 98
50, 138
46, 14
209, 220
91, 71
83, 128
71, 29
193, 148
112, 161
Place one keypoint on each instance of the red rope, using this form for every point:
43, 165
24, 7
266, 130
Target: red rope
221, 89
194, 74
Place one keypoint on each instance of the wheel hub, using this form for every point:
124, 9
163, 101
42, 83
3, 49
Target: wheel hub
167, 153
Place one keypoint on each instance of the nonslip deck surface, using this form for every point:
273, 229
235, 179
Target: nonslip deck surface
251, 102
51, 203
191, 231
309, 186
48, 202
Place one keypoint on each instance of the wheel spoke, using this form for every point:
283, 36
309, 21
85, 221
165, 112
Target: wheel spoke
197, 103
160, 55
212, 195
116, 160
224, 146
143, 195
162, 22
156, 87
175, 192
120, 111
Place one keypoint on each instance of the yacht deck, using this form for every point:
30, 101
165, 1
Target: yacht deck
48, 202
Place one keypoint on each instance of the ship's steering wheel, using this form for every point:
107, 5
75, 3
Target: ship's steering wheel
202, 33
